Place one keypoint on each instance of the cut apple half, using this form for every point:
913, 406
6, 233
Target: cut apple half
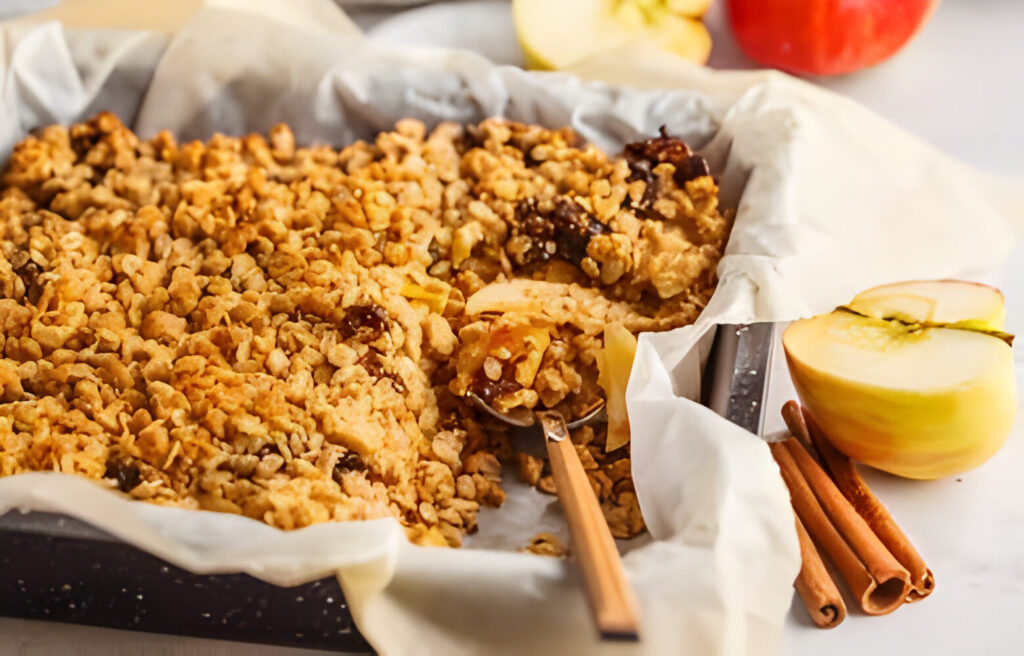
557, 34
903, 383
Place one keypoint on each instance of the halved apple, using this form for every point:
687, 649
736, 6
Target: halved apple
557, 34
912, 378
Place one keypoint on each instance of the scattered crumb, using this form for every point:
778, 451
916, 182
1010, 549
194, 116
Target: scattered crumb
546, 544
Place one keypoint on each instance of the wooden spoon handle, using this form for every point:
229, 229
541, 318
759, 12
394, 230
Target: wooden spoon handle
608, 591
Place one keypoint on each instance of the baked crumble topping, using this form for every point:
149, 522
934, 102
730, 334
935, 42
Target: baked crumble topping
285, 332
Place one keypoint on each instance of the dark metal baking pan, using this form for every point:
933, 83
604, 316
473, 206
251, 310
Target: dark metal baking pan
59, 569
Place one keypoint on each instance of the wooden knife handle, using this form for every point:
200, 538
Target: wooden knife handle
611, 599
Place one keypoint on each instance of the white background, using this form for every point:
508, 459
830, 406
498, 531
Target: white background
959, 85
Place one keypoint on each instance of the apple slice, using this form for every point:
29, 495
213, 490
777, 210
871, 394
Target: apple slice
935, 302
519, 295
681, 36
554, 35
614, 364
901, 391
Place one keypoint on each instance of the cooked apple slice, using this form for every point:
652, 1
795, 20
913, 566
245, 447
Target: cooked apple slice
916, 400
520, 295
554, 35
436, 298
614, 364
935, 302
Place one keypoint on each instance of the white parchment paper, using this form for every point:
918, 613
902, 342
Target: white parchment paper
830, 199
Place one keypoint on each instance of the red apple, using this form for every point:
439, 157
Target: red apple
825, 37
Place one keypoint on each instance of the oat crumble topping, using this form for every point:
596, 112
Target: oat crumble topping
252, 327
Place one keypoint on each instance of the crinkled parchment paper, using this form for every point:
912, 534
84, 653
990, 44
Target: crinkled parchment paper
830, 199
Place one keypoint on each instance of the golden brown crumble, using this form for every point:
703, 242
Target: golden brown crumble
252, 327
546, 544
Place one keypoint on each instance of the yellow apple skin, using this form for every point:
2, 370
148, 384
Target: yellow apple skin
915, 434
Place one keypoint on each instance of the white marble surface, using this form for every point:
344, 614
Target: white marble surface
959, 85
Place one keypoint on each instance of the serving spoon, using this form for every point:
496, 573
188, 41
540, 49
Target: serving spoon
611, 599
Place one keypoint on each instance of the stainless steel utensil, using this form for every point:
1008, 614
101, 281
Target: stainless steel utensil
737, 373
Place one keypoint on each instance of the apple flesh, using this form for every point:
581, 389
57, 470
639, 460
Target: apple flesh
614, 364
895, 389
557, 34
935, 302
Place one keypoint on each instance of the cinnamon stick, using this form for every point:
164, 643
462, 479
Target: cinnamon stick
876, 579
815, 585
853, 487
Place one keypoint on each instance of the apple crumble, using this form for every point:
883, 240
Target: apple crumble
283, 332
